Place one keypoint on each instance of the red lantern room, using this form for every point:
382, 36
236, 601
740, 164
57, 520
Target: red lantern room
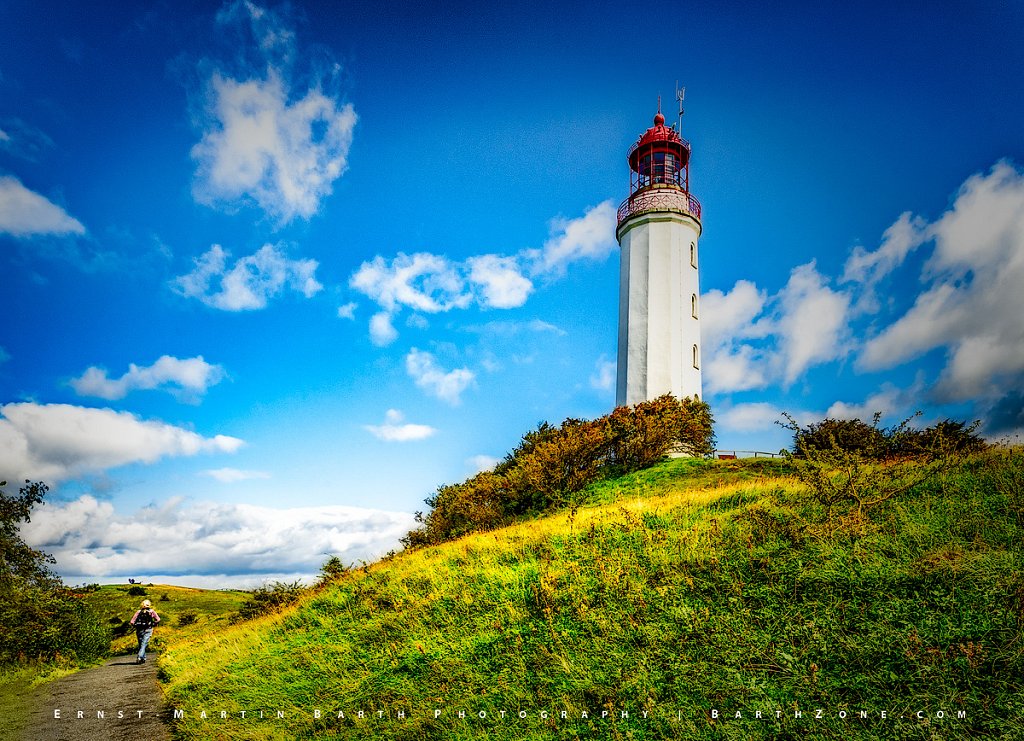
659, 173
660, 157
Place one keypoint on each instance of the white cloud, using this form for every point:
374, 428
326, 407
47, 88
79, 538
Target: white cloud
262, 143
422, 367
890, 400
727, 319
55, 442
481, 463
752, 341
812, 323
92, 541
725, 316
589, 237
251, 282
432, 284
501, 284
25, 213
233, 475
603, 377
752, 417
422, 282
868, 268
394, 431
757, 417
382, 331
348, 311
187, 379
735, 368
973, 302
511, 328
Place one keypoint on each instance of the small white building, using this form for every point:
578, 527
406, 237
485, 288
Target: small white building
659, 295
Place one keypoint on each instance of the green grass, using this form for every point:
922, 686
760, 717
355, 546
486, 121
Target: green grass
692, 587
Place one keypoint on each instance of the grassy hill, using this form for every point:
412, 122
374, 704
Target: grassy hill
688, 590
203, 610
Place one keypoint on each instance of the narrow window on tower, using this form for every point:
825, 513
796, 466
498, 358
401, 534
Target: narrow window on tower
696, 360
693, 305
693, 254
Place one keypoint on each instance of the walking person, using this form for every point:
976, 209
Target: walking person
144, 620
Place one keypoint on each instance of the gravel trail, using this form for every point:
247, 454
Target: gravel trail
117, 701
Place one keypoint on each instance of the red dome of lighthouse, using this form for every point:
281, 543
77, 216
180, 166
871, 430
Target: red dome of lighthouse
660, 138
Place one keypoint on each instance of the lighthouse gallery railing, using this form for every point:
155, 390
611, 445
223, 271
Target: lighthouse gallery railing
659, 199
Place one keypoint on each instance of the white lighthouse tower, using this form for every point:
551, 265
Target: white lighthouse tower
659, 312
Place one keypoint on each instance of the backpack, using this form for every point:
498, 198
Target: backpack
145, 620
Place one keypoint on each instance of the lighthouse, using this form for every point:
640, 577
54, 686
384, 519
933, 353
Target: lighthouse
659, 307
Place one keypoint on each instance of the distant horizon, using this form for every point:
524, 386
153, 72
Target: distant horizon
235, 582
274, 273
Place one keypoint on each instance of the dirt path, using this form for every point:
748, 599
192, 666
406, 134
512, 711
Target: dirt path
119, 700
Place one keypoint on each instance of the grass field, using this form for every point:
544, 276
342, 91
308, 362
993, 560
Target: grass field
690, 590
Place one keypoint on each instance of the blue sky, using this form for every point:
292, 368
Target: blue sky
271, 274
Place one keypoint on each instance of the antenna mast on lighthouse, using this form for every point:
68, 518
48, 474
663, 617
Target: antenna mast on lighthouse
680, 94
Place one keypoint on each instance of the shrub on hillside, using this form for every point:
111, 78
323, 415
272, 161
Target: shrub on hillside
526, 446
136, 591
871, 442
642, 435
50, 624
552, 464
269, 598
949, 435
853, 467
188, 617
850, 435
565, 462
475, 504
331, 570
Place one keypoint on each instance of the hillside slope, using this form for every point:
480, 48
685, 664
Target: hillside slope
687, 591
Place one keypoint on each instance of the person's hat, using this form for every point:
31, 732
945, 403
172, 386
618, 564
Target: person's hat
146, 603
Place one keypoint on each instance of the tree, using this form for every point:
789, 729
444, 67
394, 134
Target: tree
21, 565
40, 619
